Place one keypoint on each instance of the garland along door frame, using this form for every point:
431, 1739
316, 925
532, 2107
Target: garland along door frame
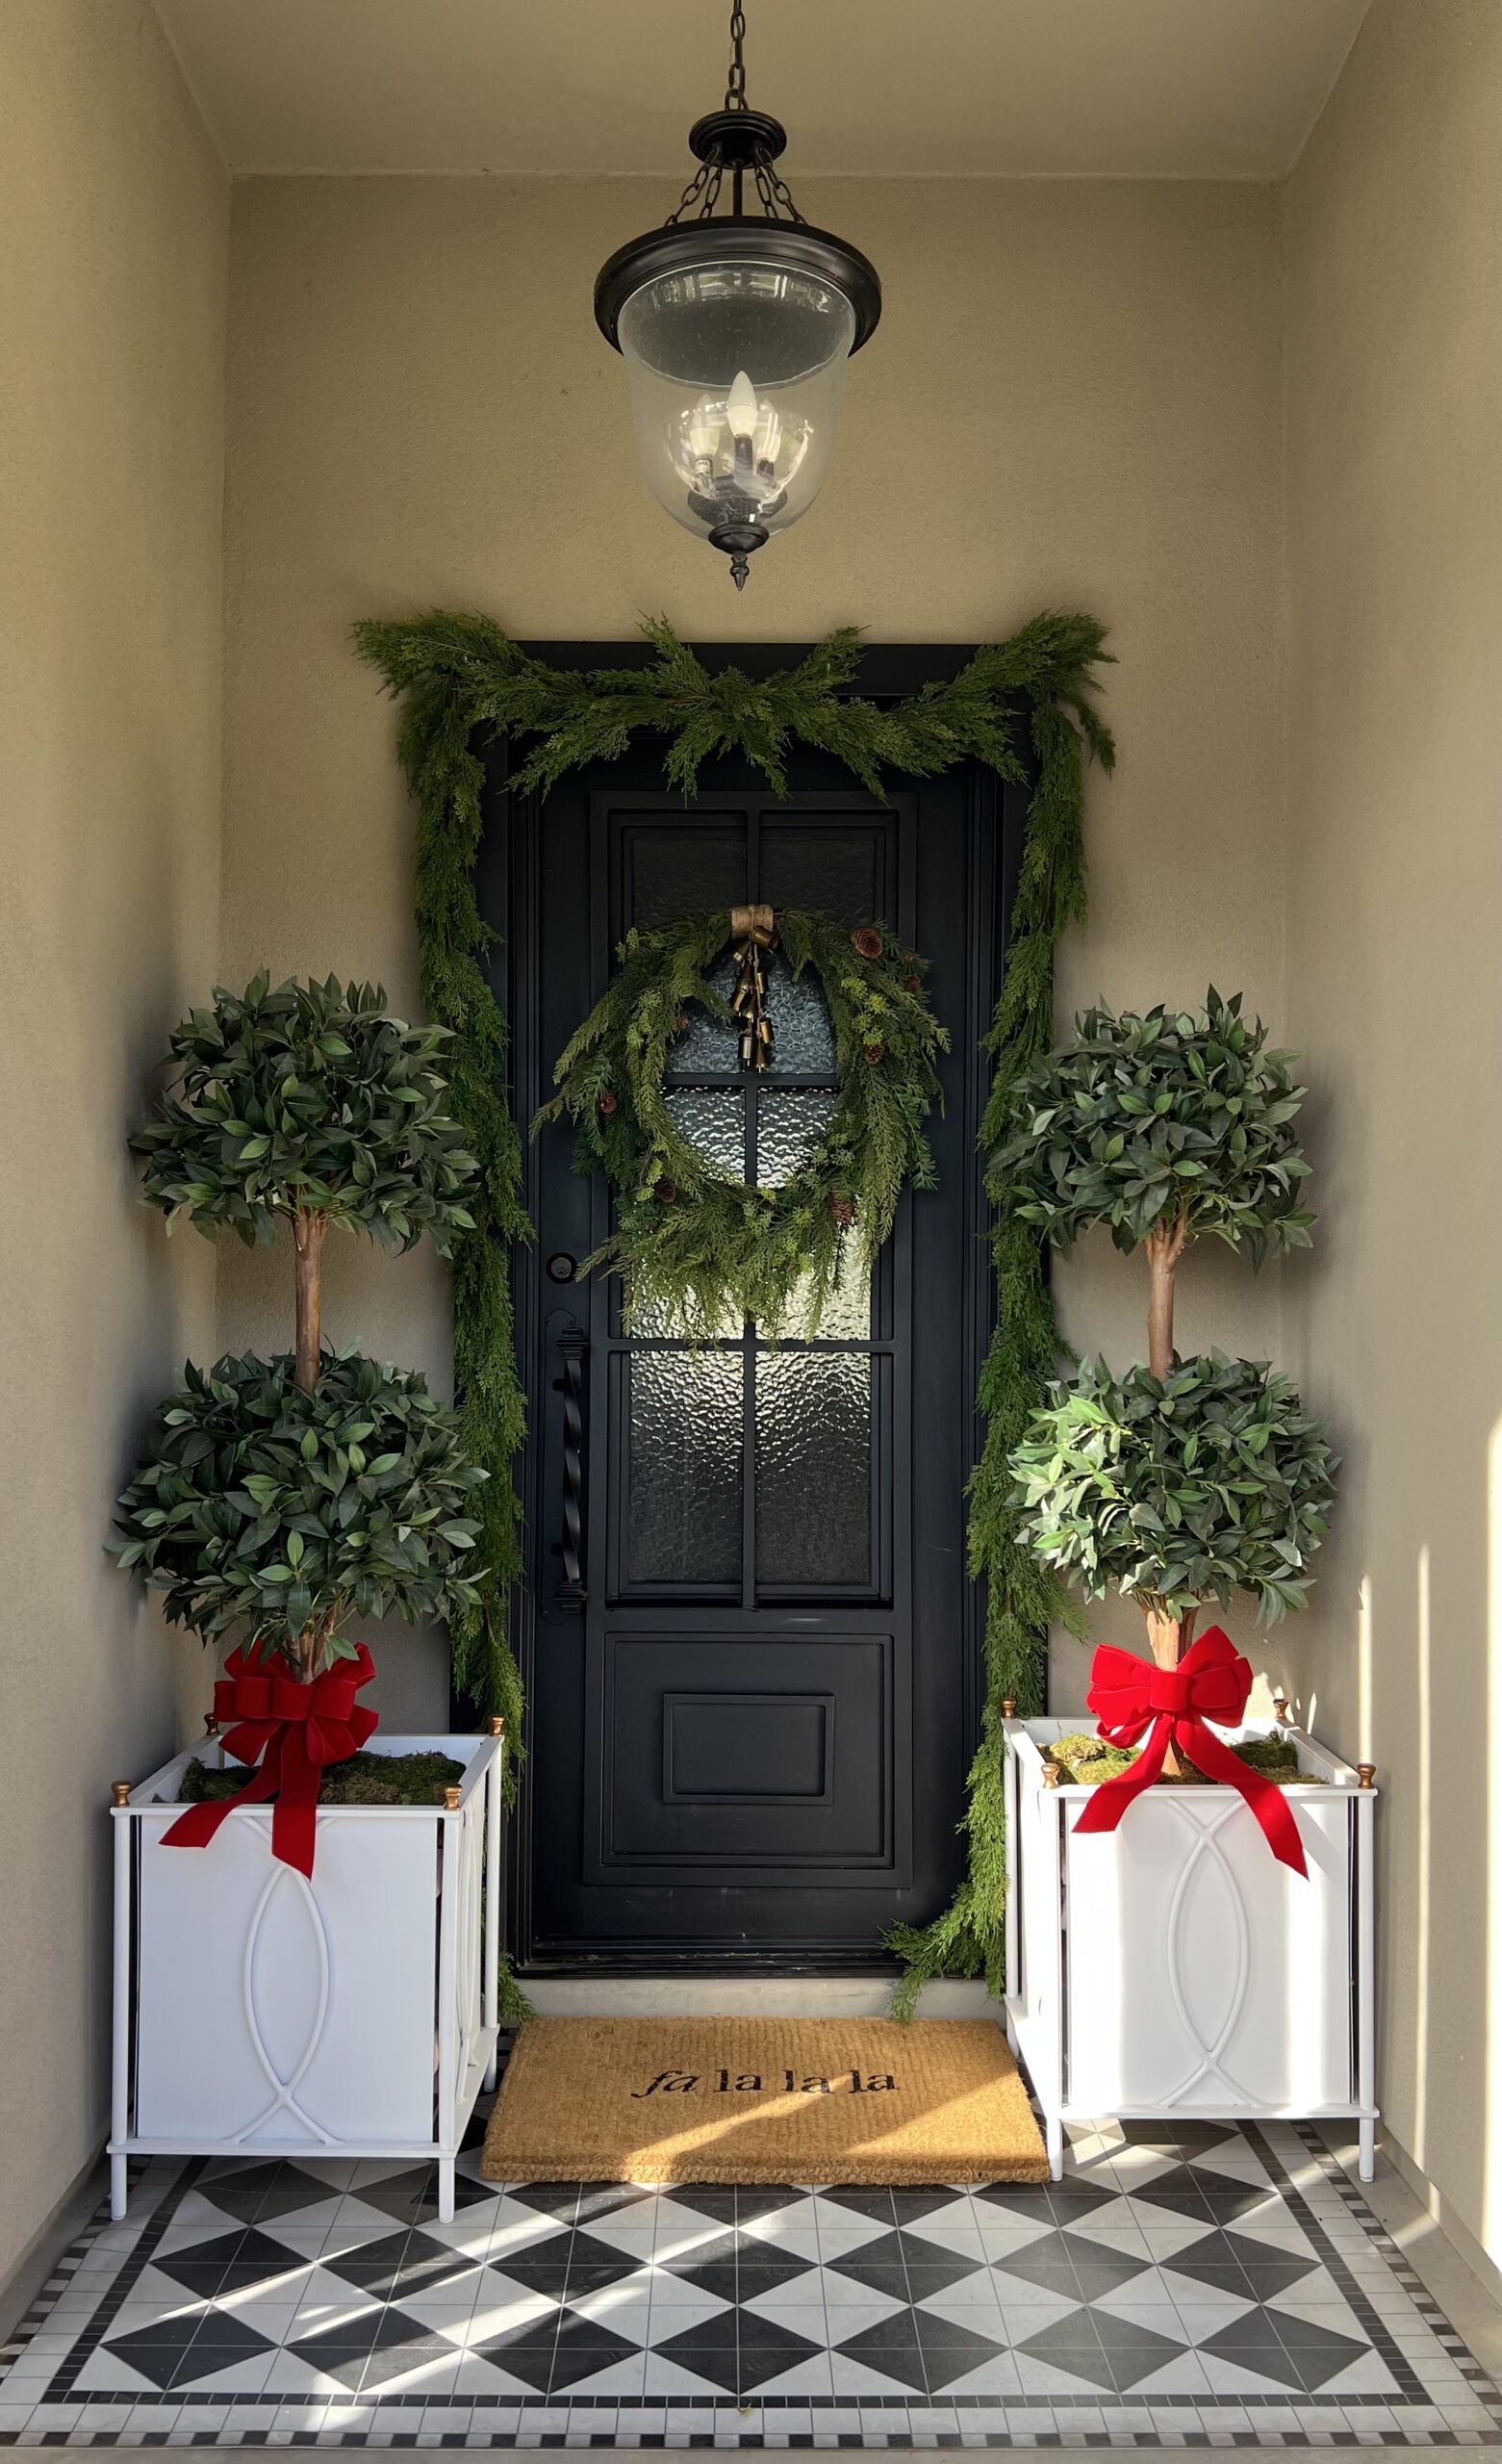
751, 1649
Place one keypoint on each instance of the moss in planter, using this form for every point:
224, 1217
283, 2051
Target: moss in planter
365, 1780
1088, 1759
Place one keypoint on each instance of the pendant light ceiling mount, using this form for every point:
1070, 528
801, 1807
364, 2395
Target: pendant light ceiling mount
735, 328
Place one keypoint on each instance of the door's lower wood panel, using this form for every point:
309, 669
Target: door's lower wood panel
733, 1760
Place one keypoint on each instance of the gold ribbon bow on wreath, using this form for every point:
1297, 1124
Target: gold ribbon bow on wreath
698, 1250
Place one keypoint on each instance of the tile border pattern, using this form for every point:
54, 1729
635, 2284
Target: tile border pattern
64, 2414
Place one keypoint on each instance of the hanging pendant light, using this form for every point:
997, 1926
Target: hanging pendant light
735, 329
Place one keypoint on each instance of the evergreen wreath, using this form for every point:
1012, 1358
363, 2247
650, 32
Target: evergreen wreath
695, 1248
463, 682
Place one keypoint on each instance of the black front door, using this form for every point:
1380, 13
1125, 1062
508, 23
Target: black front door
748, 1638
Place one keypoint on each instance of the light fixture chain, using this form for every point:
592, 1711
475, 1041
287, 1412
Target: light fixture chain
735, 90
691, 195
775, 194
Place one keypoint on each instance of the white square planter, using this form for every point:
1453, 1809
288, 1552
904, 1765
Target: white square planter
1173, 1966
260, 2014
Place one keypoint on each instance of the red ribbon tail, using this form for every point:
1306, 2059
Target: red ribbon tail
294, 1815
1102, 1810
196, 1827
1267, 1799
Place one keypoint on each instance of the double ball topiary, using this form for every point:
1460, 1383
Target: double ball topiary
1182, 1480
299, 1491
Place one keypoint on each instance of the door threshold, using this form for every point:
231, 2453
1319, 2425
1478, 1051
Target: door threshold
729, 1997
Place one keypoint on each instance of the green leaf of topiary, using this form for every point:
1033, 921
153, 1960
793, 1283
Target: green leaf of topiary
259, 1523
309, 1096
1142, 1119
1213, 1482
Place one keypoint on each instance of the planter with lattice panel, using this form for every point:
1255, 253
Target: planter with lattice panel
1184, 1936
307, 1915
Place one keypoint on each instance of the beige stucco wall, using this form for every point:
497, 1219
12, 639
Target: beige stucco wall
1395, 906
1074, 400
115, 211
1255, 432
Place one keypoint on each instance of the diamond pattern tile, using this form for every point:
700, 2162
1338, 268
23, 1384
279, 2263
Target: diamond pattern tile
1307, 2359
259, 2194
1120, 2359
173, 2352
1197, 2191
412, 2196
1058, 2202
1065, 2262
1233, 2263
401, 2263
379, 2344
900, 2263
231, 2263
1232, 2281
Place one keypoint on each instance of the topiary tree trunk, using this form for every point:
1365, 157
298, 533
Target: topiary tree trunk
309, 1228
1164, 1248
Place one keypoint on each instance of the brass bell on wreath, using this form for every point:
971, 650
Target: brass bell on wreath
754, 930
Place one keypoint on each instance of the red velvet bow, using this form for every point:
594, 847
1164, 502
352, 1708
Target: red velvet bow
293, 1729
1129, 1696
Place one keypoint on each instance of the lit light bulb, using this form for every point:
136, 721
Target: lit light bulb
703, 429
740, 408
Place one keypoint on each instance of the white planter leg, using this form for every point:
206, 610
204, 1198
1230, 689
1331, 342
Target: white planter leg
446, 2189
1366, 2158
1012, 2045
1054, 2136
490, 2004
121, 2023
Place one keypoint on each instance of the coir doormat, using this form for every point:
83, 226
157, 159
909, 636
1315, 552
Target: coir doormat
826, 2101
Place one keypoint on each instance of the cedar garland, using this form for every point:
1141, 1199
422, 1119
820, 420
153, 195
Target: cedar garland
461, 674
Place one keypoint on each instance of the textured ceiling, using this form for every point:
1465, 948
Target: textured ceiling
1091, 88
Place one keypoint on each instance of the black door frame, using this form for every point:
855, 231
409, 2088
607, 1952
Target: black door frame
506, 891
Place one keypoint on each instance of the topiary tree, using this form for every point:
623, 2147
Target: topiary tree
1164, 1126
256, 1498
1183, 1480
307, 1105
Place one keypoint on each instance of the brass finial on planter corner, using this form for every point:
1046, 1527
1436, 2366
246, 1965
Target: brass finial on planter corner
494, 1726
451, 1797
1008, 1707
1366, 1774
1280, 1707
119, 1792
211, 1726
1051, 1772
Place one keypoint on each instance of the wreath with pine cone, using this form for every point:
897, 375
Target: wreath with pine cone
699, 1250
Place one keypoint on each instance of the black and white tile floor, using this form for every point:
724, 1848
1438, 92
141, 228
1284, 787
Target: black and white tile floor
1201, 2287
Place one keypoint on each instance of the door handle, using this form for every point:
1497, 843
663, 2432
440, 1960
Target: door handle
573, 1350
